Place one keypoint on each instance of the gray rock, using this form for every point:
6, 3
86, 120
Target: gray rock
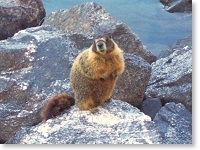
174, 123
132, 84
171, 78
151, 106
173, 6
35, 64
31, 70
116, 122
19, 14
180, 44
85, 21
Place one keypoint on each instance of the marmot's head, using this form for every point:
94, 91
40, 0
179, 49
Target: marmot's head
103, 44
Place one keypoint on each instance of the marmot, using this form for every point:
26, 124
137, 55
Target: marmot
93, 77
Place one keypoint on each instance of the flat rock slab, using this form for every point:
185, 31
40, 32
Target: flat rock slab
116, 122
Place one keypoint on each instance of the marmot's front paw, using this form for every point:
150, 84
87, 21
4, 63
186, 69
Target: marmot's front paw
114, 74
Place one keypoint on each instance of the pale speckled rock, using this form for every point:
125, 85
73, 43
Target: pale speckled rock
84, 21
174, 123
35, 64
19, 14
171, 78
116, 122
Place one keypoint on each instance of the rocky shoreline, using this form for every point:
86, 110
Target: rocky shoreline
152, 101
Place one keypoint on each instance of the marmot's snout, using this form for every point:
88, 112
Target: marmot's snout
101, 47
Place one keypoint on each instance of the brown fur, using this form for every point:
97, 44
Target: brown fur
93, 77
56, 105
94, 74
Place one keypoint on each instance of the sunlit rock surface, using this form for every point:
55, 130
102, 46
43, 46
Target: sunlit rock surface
171, 78
116, 122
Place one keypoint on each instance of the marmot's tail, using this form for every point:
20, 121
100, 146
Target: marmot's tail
56, 105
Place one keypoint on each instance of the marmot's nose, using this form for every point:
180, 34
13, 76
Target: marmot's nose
100, 44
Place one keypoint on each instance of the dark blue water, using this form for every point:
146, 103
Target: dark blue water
156, 28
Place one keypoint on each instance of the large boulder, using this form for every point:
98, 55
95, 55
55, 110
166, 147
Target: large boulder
19, 14
132, 84
85, 21
116, 122
174, 123
171, 78
35, 64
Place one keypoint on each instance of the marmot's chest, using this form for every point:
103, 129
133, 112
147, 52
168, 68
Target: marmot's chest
111, 60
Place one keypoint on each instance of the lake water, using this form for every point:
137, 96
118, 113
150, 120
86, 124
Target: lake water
156, 28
